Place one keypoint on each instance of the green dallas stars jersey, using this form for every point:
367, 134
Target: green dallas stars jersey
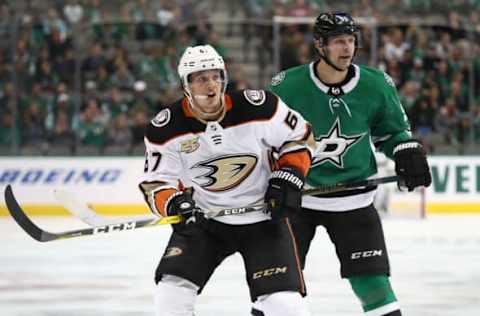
347, 121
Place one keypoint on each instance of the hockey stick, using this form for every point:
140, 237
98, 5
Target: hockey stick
84, 212
87, 214
351, 185
41, 235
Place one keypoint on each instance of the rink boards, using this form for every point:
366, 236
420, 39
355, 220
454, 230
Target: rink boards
109, 184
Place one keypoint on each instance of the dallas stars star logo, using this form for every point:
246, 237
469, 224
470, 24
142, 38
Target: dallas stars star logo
333, 146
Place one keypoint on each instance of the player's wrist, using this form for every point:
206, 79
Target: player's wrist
289, 175
407, 146
284, 192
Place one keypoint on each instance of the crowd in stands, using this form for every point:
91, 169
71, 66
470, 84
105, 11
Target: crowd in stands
121, 56
434, 62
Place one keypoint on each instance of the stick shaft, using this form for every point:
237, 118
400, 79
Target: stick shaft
351, 185
41, 235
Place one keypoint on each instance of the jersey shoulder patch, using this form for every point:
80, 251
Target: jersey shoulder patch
252, 105
167, 124
377, 76
255, 97
278, 78
162, 118
389, 79
291, 79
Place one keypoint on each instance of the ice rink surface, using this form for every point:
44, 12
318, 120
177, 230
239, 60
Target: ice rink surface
435, 266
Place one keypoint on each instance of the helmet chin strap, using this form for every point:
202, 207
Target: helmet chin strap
327, 60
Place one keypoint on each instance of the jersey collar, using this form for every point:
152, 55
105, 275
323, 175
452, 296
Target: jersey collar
349, 86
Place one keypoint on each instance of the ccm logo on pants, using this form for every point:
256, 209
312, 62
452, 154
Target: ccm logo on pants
366, 254
269, 272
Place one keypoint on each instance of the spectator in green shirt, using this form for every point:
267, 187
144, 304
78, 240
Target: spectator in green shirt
91, 128
6, 128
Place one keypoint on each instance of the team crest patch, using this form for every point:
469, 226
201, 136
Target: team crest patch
162, 118
389, 79
278, 78
172, 252
190, 145
255, 97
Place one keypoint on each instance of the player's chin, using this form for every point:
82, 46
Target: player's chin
211, 105
344, 63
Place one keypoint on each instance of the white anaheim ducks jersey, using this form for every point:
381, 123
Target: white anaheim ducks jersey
226, 162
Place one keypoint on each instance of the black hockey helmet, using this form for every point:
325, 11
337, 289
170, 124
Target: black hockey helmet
330, 24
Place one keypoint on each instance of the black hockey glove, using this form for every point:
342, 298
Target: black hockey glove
183, 204
284, 192
412, 165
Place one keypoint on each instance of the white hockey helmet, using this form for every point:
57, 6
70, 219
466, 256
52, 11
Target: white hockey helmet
199, 58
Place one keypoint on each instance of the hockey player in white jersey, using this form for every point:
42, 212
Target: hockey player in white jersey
208, 151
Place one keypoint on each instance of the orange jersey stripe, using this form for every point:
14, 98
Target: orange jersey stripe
161, 198
299, 159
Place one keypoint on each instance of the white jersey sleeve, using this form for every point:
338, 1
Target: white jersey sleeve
162, 163
161, 173
288, 131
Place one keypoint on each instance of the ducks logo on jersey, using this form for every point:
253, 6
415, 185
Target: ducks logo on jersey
225, 172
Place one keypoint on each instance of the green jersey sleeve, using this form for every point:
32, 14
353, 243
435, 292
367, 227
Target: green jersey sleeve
391, 124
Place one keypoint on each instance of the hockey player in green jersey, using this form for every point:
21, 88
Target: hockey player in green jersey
350, 108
